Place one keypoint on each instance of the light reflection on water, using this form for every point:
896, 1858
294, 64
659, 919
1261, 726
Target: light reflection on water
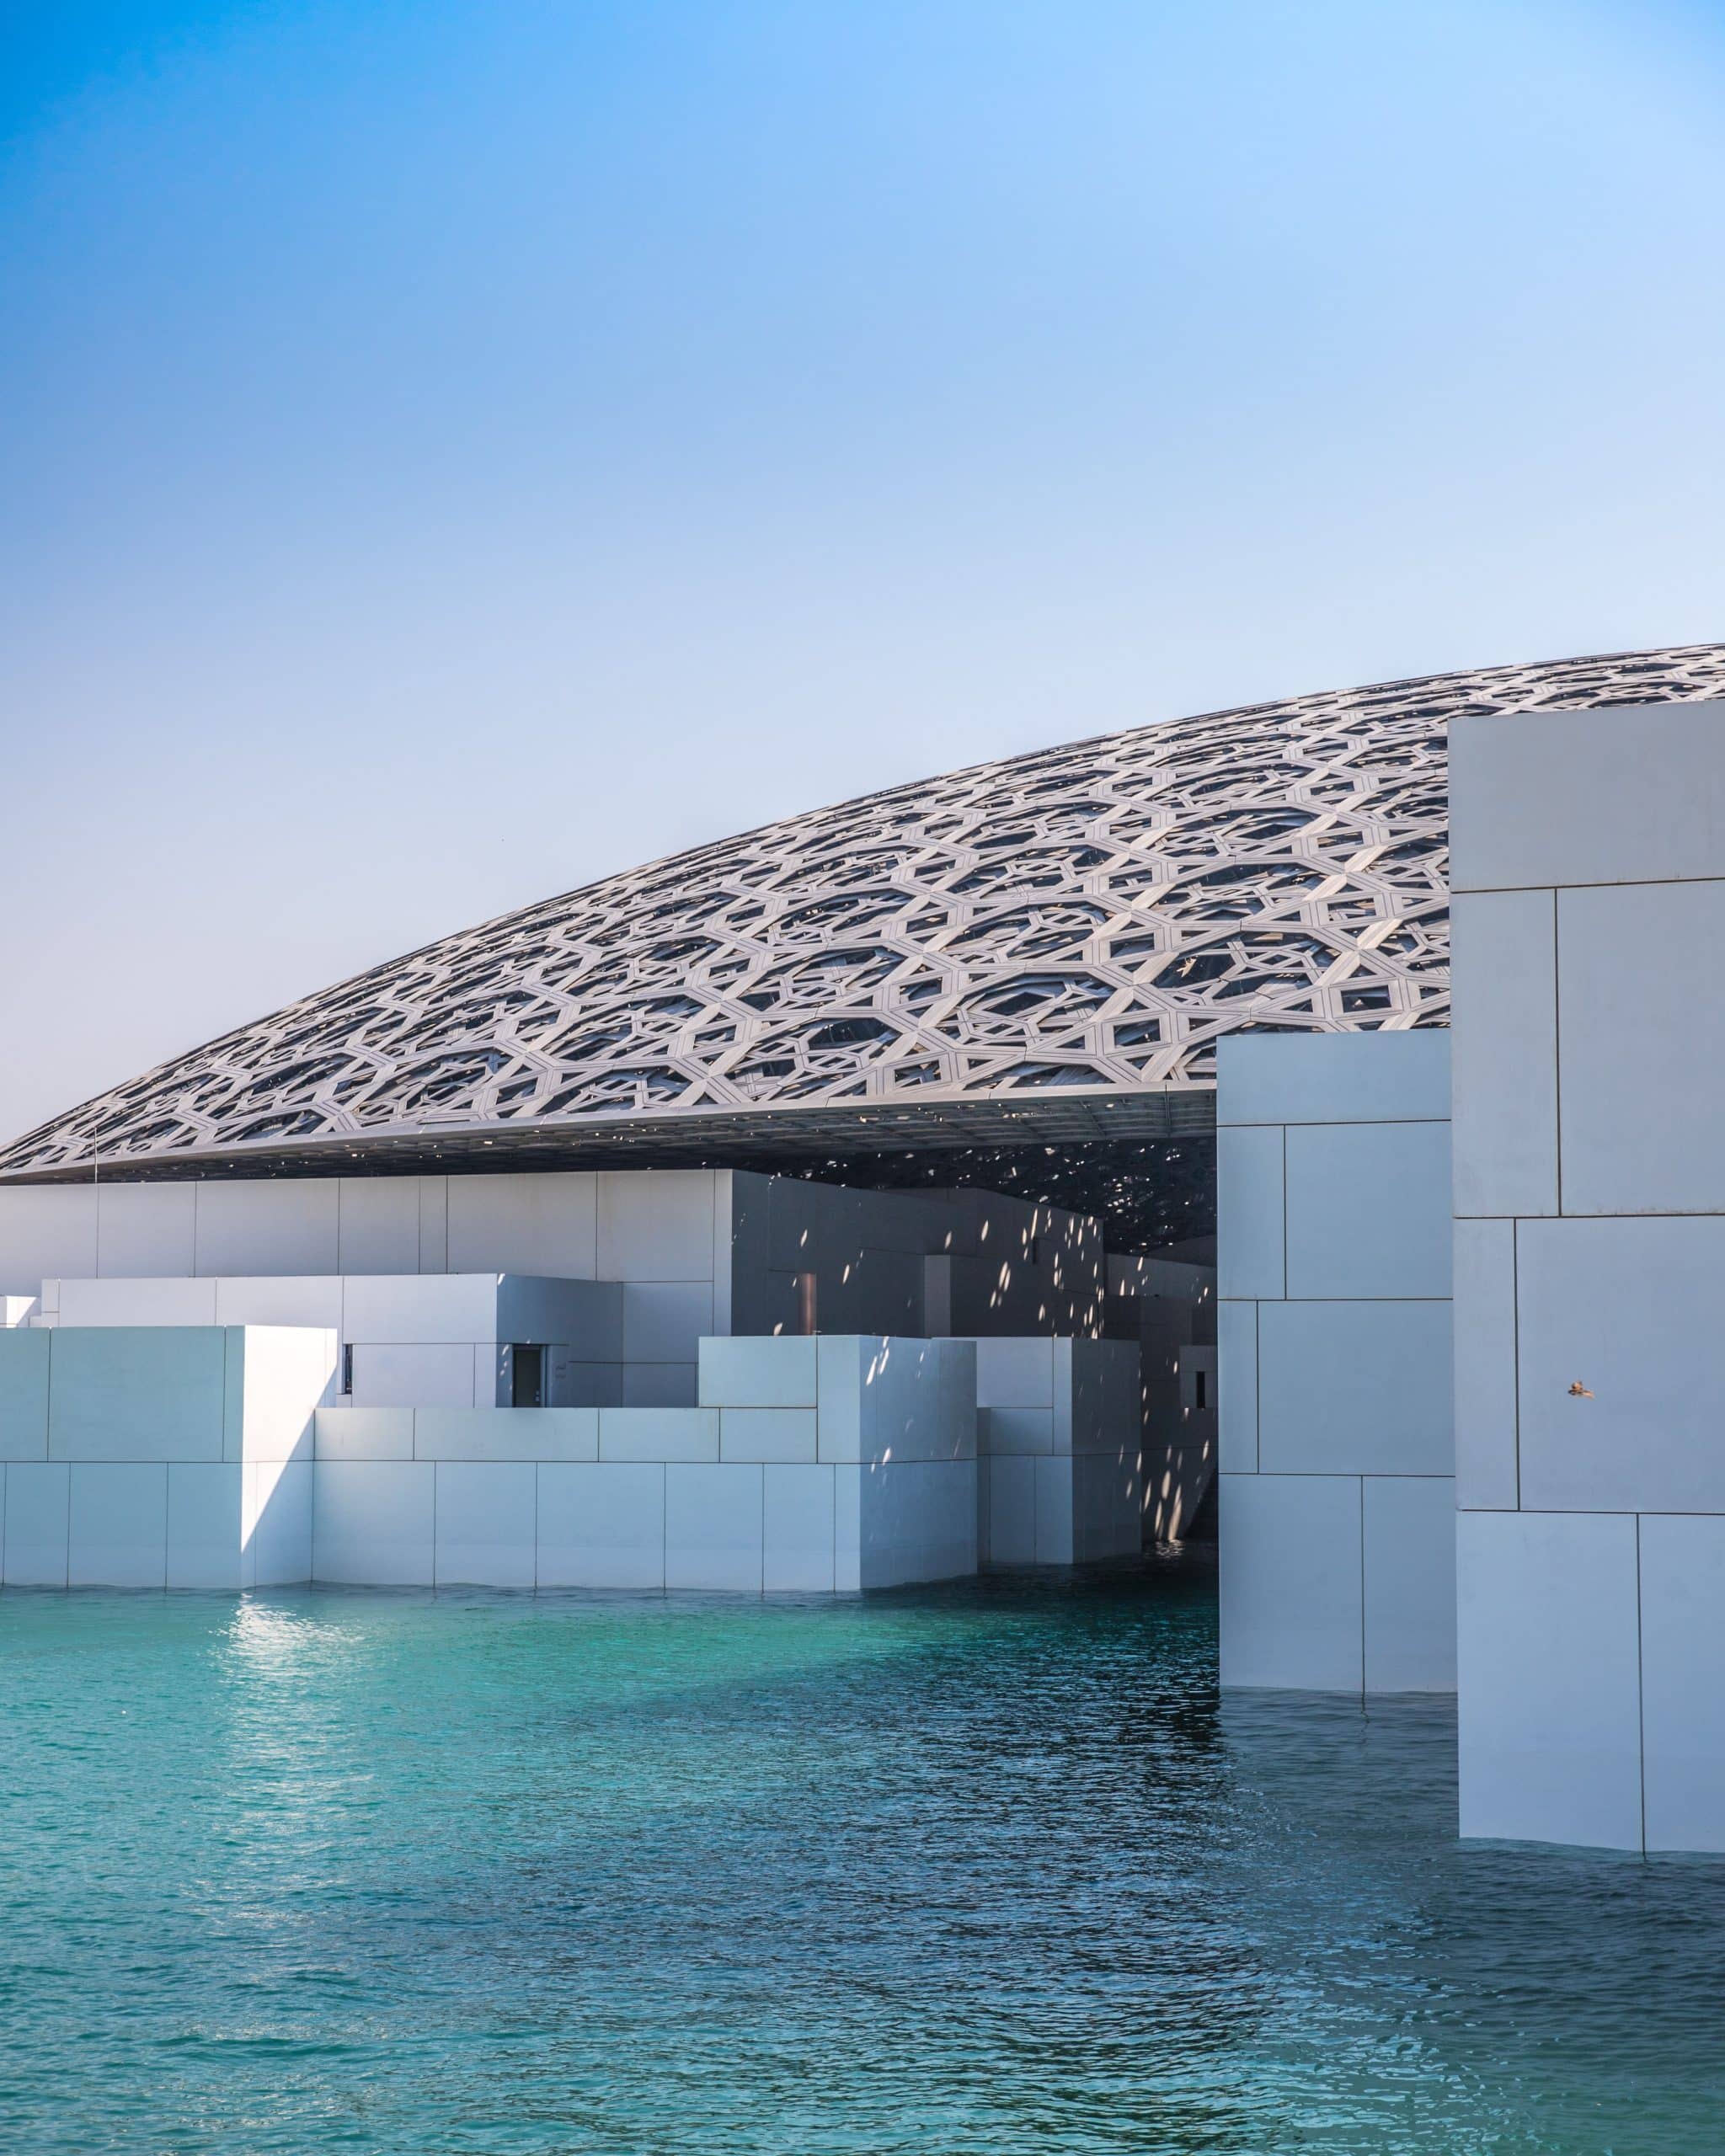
979, 1869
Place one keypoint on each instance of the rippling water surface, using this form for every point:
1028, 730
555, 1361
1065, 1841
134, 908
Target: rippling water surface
976, 1868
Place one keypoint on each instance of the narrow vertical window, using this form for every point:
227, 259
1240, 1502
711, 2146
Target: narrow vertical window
806, 1284
526, 1377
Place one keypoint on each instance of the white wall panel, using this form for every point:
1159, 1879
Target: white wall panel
601, 1526
758, 1434
1405, 1078
377, 1224
117, 1533
1355, 1388
656, 1225
145, 1228
1606, 795
205, 1535
46, 1233
24, 1394
659, 1433
534, 1224
1487, 1475
372, 1522
138, 1393
1631, 1310
714, 1526
1683, 1680
757, 1373
1505, 1053
268, 1226
1250, 1222
1408, 1546
1369, 1210
1548, 1678
1236, 1387
797, 1553
1642, 1132
485, 1519
1292, 1608
36, 1523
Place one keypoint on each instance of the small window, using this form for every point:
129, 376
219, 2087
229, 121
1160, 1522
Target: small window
1199, 1389
526, 1377
347, 1369
807, 1285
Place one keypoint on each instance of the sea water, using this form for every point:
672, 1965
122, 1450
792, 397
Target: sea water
990, 1867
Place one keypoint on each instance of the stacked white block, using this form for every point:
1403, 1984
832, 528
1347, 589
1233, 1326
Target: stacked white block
1060, 1448
814, 1465
662, 1237
407, 1340
1337, 1449
1589, 1240
159, 1456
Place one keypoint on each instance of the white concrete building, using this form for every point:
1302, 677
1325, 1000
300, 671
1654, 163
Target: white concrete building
1590, 1273
1337, 1438
841, 1206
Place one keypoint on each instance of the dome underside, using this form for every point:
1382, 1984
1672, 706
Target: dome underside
1045, 946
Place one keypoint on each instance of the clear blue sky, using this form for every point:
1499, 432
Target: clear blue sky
449, 450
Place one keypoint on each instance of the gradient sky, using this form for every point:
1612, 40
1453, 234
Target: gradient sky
448, 451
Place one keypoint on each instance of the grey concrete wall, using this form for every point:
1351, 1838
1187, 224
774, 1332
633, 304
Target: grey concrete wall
1168, 1307
1059, 1451
936, 1262
1337, 1491
1590, 1249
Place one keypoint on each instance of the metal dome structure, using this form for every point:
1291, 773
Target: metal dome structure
1040, 952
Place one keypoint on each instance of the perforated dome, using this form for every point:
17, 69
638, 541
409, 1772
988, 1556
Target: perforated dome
1044, 948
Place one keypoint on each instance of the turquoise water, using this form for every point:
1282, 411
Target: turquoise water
978, 1869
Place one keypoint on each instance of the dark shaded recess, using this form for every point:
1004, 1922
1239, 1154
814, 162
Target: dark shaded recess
1147, 1194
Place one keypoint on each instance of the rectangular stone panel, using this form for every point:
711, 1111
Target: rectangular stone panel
117, 1524
1629, 1309
1237, 1386
1486, 1474
1409, 1542
257, 1226
714, 1526
758, 1373
797, 1553
24, 1393
1503, 974
505, 1433
37, 1504
1289, 1584
1643, 1046
485, 1523
373, 1523
1369, 1210
1622, 794
1683, 1680
205, 1544
1355, 1388
1549, 1689
1250, 1222
758, 1434
138, 1393
1378, 1077
601, 1525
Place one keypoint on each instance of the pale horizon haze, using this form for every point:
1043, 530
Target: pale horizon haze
449, 452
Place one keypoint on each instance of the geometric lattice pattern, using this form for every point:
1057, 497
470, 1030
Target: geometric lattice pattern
1088, 919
